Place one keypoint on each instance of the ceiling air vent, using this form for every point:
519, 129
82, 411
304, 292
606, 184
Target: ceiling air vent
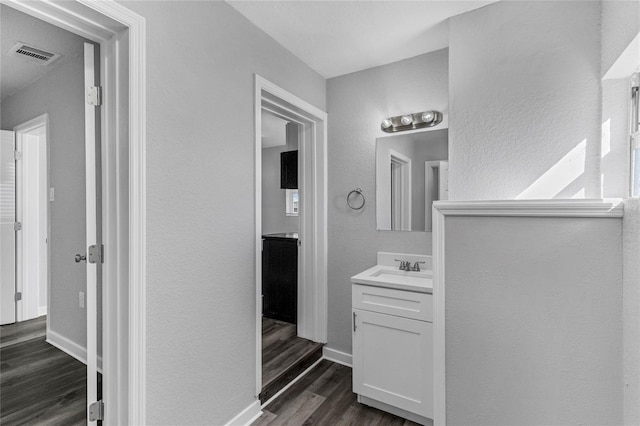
33, 54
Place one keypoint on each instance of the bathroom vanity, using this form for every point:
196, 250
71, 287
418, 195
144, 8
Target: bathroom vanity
392, 330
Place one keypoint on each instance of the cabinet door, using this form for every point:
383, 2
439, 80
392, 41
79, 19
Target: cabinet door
393, 361
280, 279
289, 170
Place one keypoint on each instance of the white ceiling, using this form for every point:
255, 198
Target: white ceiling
341, 37
273, 130
15, 26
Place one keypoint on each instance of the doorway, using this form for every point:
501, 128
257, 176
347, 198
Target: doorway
56, 149
120, 34
32, 217
305, 129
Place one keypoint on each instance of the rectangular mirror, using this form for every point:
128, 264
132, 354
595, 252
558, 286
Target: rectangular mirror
411, 173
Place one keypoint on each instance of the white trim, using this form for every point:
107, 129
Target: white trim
246, 416
533, 208
94, 275
70, 347
313, 216
103, 22
42, 310
337, 356
506, 208
439, 358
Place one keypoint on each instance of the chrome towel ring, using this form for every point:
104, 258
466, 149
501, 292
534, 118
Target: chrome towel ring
354, 194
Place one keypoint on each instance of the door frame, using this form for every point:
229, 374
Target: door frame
312, 146
401, 191
21, 131
121, 35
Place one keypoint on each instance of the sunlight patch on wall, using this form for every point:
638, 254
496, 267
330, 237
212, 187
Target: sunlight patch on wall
561, 175
606, 138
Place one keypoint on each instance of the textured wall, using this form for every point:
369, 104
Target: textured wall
525, 100
631, 310
356, 104
620, 25
201, 60
61, 94
534, 321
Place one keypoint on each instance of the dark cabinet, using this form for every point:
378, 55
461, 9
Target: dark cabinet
280, 278
289, 170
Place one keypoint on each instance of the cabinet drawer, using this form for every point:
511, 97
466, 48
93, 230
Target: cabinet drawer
407, 304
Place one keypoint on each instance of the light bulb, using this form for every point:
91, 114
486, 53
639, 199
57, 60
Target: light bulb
406, 120
428, 116
386, 123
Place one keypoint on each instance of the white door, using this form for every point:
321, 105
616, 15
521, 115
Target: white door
7, 230
93, 256
393, 361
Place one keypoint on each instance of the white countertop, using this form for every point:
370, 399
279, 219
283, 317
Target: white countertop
391, 277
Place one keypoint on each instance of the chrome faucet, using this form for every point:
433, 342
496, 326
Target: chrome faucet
416, 266
405, 265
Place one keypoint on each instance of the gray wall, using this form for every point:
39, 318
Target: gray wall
201, 325
357, 103
533, 321
620, 24
61, 94
631, 311
524, 87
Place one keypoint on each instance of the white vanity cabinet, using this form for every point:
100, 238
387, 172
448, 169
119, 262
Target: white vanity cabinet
393, 350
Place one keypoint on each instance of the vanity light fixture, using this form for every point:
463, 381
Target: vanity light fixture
411, 121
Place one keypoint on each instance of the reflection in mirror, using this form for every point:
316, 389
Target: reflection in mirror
411, 173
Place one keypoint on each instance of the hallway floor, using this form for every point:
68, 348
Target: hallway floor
39, 384
284, 355
324, 397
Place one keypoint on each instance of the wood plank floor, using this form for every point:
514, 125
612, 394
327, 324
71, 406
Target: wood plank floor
284, 355
324, 397
39, 384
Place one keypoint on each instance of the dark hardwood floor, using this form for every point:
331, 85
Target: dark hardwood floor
39, 384
284, 356
324, 397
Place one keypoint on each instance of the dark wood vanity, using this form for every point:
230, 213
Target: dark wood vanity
280, 276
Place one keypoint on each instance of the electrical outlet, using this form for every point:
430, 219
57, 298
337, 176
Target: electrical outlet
52, 194
81, 299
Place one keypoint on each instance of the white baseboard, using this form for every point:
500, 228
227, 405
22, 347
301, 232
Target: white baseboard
337, 356
42, 310
70, 347
246, 416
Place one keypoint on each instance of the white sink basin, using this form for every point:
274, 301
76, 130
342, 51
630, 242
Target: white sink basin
392, 277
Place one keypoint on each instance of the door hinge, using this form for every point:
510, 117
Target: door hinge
96, 254
17, 155
18, 296
94, 95
17, 226
96, 411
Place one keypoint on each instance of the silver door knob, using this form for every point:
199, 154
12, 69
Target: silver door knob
79, 258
